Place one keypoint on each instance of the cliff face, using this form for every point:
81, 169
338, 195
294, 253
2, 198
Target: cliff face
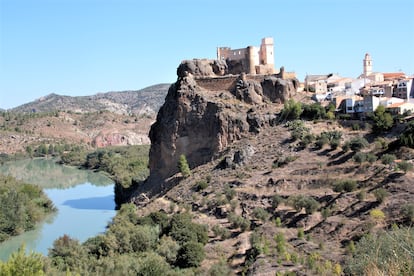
201, 116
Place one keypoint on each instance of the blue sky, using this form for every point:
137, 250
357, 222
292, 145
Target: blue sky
82, 47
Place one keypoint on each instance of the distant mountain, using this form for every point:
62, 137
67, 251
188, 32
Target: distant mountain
141, 102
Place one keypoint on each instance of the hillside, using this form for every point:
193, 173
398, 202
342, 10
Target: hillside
146, 101
113, 118
279, 195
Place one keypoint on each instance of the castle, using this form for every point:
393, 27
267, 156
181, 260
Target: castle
254, 60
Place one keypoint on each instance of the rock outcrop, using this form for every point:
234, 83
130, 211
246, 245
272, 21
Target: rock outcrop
200, 117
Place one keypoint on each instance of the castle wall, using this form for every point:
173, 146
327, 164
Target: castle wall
218, 84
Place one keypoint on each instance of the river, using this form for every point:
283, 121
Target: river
85, 203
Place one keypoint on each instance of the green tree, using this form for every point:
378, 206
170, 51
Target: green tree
183, 166
67, 254
291, 110
382, 120
23, 265
191, 254
407, 137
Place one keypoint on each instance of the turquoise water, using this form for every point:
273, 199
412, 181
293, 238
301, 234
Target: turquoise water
85, 203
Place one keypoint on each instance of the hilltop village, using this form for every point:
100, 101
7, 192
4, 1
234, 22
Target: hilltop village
353, 96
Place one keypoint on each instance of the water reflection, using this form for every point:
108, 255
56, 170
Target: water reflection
92, 203
85, 203
48, 174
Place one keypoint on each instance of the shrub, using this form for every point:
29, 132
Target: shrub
291, 110
335, 143
326, 212
168, 248
66, 253
388, 159
21, 264
191, 254
229, 192
201, 185
220, 268
377, 215
301, 233
183, 166
183, 230
407, 137
407, 211
261, 214
221, 232
278, 222
347, 185
321, 141
371, 158
361, 195
359, 157
380, 194
405, 166
300, 201
280, 243
313, 111
358, 143
150, 263
387, 253
239, 222
276, 200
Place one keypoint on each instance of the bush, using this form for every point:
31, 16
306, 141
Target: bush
407, 211
23, 265
300, 201
168, 248
377, 215
407, 137
276, 200
183, 166
386, 253
388, 159
239, 222
221, 232
405, 166
358, 143
349, 185
301, 233
313, 111
359, 157
220, 268
291, 110
201, 185
260, 214
191, 254
380, 194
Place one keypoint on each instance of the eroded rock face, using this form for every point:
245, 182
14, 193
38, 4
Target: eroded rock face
190, 124
200, 121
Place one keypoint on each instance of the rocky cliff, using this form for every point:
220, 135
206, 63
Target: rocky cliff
204, 113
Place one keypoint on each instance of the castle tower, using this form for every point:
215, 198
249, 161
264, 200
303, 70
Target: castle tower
266, 51
251, 60
367, 65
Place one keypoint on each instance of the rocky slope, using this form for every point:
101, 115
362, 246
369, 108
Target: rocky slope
271, 203
202, 116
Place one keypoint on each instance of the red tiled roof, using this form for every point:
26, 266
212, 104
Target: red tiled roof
394, 75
